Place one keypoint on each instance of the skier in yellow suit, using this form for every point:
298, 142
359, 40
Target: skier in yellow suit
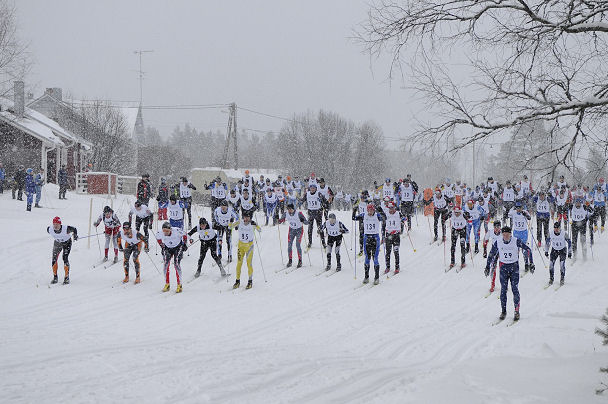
245, 247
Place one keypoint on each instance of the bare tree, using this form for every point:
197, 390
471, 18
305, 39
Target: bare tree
14, 58
106, 127
526, 61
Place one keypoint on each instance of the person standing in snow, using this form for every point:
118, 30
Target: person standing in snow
335, 229
208, 238
112, 228
144, 216
558, 240
506, 251
372, 222
30, 188
131, 249
144, 190
173, 244
63, 242
163, 200
296, 220
245, 248
62, 179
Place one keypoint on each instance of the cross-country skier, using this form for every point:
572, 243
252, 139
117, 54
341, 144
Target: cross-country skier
247, 203
335, 229
314, 201
208, 239
580, 215
543, 215
245, 248
176, 212
144, 216
112, 228
218, 192
440, 211
392, 236
271, 202
185, 194
558, 240
491, 237
599, 204
358, 211
163, 200
144, 190
63, 242
476, 215
407, 195
296, 220
172, 241
328, 196
372, 222
562, 206
459, 228
131, 249
224, 215
519, 217
508, 200
506, 250
234, 199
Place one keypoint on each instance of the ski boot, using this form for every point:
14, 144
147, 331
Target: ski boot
55, 280
360, 254
435, 239
66, 280
551, 280
146, 248
222, 271
115, 259
366, 279
503, 315
308, 246
179, 288
376, 281
167, 287
249, 284
237, 284
387, 270
443, 239
126, 280
396, 270
288, 263
105, 259
338, 268
562, 280
328, 267
516, 316
36, 206
29, 208
299, 264
137, 280
467, 248
476, 248
197, 273
526, 267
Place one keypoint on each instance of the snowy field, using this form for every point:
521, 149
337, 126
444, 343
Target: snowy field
424, 336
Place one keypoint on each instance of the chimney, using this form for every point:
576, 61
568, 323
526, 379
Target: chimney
55, 92
19, 98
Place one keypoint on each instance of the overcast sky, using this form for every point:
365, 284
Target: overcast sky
276, 57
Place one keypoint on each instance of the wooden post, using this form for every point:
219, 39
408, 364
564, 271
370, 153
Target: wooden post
90, 219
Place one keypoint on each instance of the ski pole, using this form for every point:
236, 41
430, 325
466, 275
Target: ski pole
322, 251
356, 244
410, 238
259, 256
280, 243
348, 256
307, 252
92, 235
98, 244
153, 263
538, 249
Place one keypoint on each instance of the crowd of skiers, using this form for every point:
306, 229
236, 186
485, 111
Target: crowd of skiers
382, 216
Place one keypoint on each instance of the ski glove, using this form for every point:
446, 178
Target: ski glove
487, 271
532, 268
75, 237
569, 255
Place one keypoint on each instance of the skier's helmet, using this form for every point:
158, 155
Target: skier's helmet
137, 203
224, 203
107, 209
166, 225
126, 225
173, 197
497, 223
371, 207
290, 206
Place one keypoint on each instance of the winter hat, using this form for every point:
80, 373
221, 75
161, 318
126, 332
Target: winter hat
56, 220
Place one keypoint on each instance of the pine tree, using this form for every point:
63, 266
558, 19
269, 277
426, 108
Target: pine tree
604, 334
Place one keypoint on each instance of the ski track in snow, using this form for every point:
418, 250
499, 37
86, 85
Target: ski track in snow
421, 336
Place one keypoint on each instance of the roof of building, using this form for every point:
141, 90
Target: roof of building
28, 124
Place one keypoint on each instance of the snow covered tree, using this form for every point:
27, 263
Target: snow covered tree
604, 334
517, 62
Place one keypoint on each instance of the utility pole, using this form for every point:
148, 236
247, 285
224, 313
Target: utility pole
141, 74
231, 134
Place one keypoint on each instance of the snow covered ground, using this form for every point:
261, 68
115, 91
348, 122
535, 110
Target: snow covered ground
423, 336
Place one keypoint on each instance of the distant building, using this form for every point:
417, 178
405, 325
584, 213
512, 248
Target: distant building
35, 140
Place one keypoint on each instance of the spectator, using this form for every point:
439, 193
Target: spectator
62, 178
19, 182
30, 188
39, 182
